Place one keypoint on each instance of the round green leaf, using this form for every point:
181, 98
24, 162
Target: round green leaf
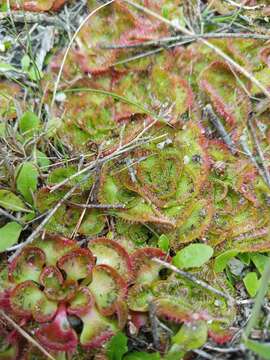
191, 336
193, 255
29, 123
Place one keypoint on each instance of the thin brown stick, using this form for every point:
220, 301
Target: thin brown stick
174, 39
215, 121
224, 350
26, 335
98, 206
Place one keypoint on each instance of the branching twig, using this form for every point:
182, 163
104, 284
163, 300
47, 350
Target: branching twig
10, 216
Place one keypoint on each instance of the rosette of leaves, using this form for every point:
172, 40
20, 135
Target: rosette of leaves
67, 295
177, 301
240, 199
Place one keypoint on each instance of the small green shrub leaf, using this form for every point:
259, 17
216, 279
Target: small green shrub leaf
164, 243
42, 159
191, 336
194, 255
29, 123
252, 283
260, 261
117, 346
10, 201
27, 180
9, 235
222, 260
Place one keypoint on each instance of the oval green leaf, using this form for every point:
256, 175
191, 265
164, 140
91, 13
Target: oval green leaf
262, 349
10, 201
27, 181
252, 283
9, 235
222, 260
194, 255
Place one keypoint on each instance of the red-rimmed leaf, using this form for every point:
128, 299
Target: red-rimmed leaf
111, 253
108, 287
97, 329
81, 302
122, 312
219, 334
107, 27
27, 265
229, 100
139, 297
55, 287
178, 311
58, 335
27, 300
77, 264
55, 246
146, 270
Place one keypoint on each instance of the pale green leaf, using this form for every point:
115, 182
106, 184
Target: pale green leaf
10, 201
222, 260
252, 283
262, 349
259, 261
117, 346
194, 255
27, 180
164, 243
9, 235
29, 123
191, 335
